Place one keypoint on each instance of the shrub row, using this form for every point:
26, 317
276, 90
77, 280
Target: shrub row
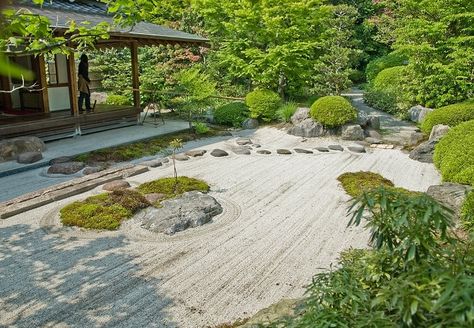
451, 115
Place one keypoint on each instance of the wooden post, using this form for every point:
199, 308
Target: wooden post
71, 72
135, 78
43, 84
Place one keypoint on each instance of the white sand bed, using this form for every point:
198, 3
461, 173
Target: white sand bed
284, 220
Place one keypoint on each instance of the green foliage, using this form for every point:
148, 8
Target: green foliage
357, 77
104, 211
454, 154
467, 212
381, 101
231, 114
451, 115
166, 186
201, 128
376, 66
333, 111
356, 183
390, 80
286, 111
263, 104
117, 100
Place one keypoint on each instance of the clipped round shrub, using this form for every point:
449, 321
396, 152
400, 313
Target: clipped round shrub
333, 111
263, 104
168, 187
390, 80
451, 115
118, 100
231, 114
454, 154
376, 66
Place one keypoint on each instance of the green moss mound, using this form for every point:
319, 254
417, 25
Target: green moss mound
232, 114
104, 211
451, 115
467, 212
454, 154
263, 104
376, 66
356, 183
333, 111
167, 187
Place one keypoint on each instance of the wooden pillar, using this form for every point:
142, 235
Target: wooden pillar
135, 78
71, 72
43, 84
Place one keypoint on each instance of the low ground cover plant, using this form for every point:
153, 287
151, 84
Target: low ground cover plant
451, 115
171, 188
286, 111
263, 104
231, 114
356, 183
333, 111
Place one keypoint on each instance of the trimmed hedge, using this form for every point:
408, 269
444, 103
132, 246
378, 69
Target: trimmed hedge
231, 114
333, 111
451, 115
390, 80
454, 154
263, 104
376, 66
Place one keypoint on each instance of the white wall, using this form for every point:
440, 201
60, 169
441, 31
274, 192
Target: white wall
58, 98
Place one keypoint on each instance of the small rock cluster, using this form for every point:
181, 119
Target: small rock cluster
424, 151
24, 150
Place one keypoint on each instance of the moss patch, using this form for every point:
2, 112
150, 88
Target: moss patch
104, 211
167, 187
356, 183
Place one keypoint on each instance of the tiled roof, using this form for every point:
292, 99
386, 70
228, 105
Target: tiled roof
60, 12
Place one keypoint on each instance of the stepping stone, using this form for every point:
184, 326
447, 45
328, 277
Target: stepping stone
243, 141
336, 147
66, 168
372, 140
62, 159
181, 157
196, 153
92, 169
29, 157
357, 149
264, 152
241, 151
283, 152
303, 151
256, 145
219, 153
165, 160
116, 185
153, 163
322, 149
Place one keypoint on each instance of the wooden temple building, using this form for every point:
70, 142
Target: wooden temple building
51, 109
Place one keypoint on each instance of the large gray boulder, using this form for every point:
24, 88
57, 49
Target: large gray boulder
11, 148
424, 151
374, 122
29, 157
451, 195
250, 123
363, 119
352, 132
418, 113
301, 114
66, 168
191, 210
438, 131
307, 128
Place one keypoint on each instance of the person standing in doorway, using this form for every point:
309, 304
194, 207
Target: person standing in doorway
83, 84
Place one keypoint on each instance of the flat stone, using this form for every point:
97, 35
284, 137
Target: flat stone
219, 153
371, 140
336, 147
191, 210
241, 151
62, 159
66, 168
154, 162
243, 141
92, 169
116, 185
181, 157
196, 153
29, 157
264, 152
357, 149
283, 151
303, 151
322, 149
165, 160
154, 197
256, 145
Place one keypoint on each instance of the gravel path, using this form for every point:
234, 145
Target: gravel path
283, 221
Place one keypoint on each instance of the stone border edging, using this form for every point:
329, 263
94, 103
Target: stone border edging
63, 190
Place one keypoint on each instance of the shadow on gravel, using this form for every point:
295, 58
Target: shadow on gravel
46, 280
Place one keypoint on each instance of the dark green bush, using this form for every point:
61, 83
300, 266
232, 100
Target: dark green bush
333, 111
263, 104
231, 114
167, 187
118, 100
454, 154
376, 66
451, 115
